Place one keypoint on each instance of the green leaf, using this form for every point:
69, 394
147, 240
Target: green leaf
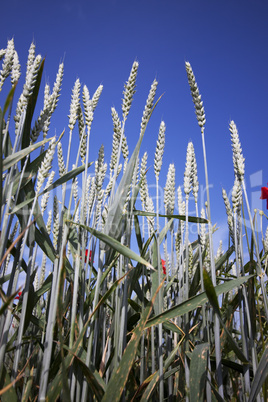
17, 156
155, 377
112, 226
28, 388
116, 245
119, 377
10, 394
260, 376
224, 258
41, 237
192, 219
212, 296
210, 291
45, 244
66, 177
56, 385
9, 99
198, 370
29, 173
94, 380
194, 302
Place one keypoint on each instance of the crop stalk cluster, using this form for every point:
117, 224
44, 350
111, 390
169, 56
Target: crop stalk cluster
103, 296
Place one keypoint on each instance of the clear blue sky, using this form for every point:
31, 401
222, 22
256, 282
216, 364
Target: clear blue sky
226, 43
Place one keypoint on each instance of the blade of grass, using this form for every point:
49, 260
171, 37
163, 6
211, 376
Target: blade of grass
212, 297
119, 377
116, 245
198, 368
17, 156
194, 302
192, 219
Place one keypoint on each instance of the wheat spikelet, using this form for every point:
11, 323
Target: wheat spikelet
144, 185
88, 109
148, 107
191, 263
40, 125
2, 53
129, 90
116, 138
169, 190
158, 158
56, 88
229, 214
219, 252
96, 97
149, 207
125, 150
30, 59
74, 104
236, 195
203, 231
61, 165
82, 135
188, 171
178, 243
100, 172
91, 195
7, 62
15, 72
45, 165
49, 222
99, 164
194, 178
238, 159
180, 200
47, 96
199, 109
31, 78
266, 240
51, 100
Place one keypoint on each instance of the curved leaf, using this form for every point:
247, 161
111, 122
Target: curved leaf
192, 219
194, 302
115, 244
212, 296
68, 176
17, 156
198, 369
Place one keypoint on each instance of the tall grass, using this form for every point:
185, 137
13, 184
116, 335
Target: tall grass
89, 308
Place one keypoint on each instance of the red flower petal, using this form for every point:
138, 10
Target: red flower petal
18, 297
264, 194
164, 266
86, 254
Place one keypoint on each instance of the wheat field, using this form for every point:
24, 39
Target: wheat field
104, 298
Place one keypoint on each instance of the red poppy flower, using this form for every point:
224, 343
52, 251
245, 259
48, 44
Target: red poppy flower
86, 254
264, 195
18, 297
164, 266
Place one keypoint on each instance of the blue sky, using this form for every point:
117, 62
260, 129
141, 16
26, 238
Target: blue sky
226, 43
